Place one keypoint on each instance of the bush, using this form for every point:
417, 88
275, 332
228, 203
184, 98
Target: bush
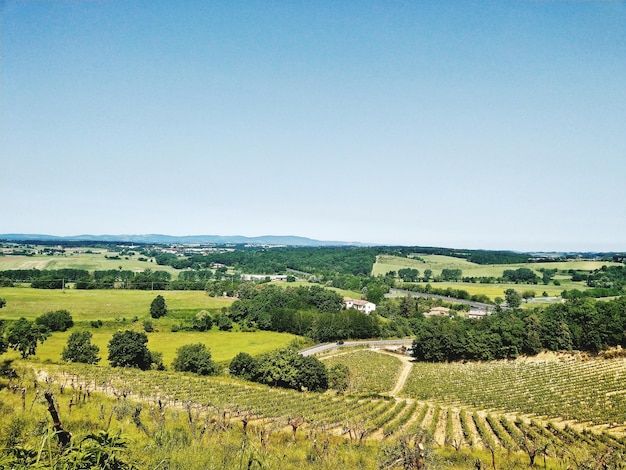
194, 358
59, 320
148, 327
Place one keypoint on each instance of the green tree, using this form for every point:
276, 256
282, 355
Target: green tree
3, 302
448, 274
158, 308
528, 294
129, 349
513, 298
339, 377
4, 345
286, 368
80, 349
203, 321
245, 366
59, 320
224, 323
194, 358
428, 273
408, 274
24, 335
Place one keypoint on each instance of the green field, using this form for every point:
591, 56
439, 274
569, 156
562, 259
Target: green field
370, 372
224, 345
105, 305
78, 259
436, 263
118, 308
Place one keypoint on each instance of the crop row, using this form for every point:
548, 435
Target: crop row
590, 390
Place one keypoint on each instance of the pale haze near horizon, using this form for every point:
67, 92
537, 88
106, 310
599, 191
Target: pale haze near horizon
495, 125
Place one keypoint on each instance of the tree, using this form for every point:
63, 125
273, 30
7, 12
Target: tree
194, 358
408, 274
244, 365
428, 273
129, 349
513, 298
59, 320
224, 323
80, 349
4, 345
448, 274
528, 294
3, 302
203, 321
339, 377
289, 369
158, 308
24, 335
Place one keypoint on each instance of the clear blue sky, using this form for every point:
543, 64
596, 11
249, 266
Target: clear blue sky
466, 124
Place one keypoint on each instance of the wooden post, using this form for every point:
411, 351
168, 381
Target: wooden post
63, 435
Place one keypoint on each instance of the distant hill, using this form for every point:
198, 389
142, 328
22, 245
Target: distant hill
286, 240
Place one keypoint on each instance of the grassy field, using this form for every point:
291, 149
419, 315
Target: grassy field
436, 263
118, 308
497, 290
78, 259
224, 345
105, 305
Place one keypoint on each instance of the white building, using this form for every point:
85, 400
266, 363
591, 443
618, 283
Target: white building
360, 305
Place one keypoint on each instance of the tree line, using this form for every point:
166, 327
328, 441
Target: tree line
310, 311
582, 324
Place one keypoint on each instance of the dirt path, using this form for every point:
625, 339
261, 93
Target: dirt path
407, 365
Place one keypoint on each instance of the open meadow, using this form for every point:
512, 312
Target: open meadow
126, 309
106, 305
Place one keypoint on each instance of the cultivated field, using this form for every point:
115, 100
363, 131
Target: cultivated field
458, 427
436, 263
78, 259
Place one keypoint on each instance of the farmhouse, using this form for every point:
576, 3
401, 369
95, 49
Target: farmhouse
438, 311
360, 305
476, 314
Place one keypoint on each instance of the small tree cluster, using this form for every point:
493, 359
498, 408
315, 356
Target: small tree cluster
282, 368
